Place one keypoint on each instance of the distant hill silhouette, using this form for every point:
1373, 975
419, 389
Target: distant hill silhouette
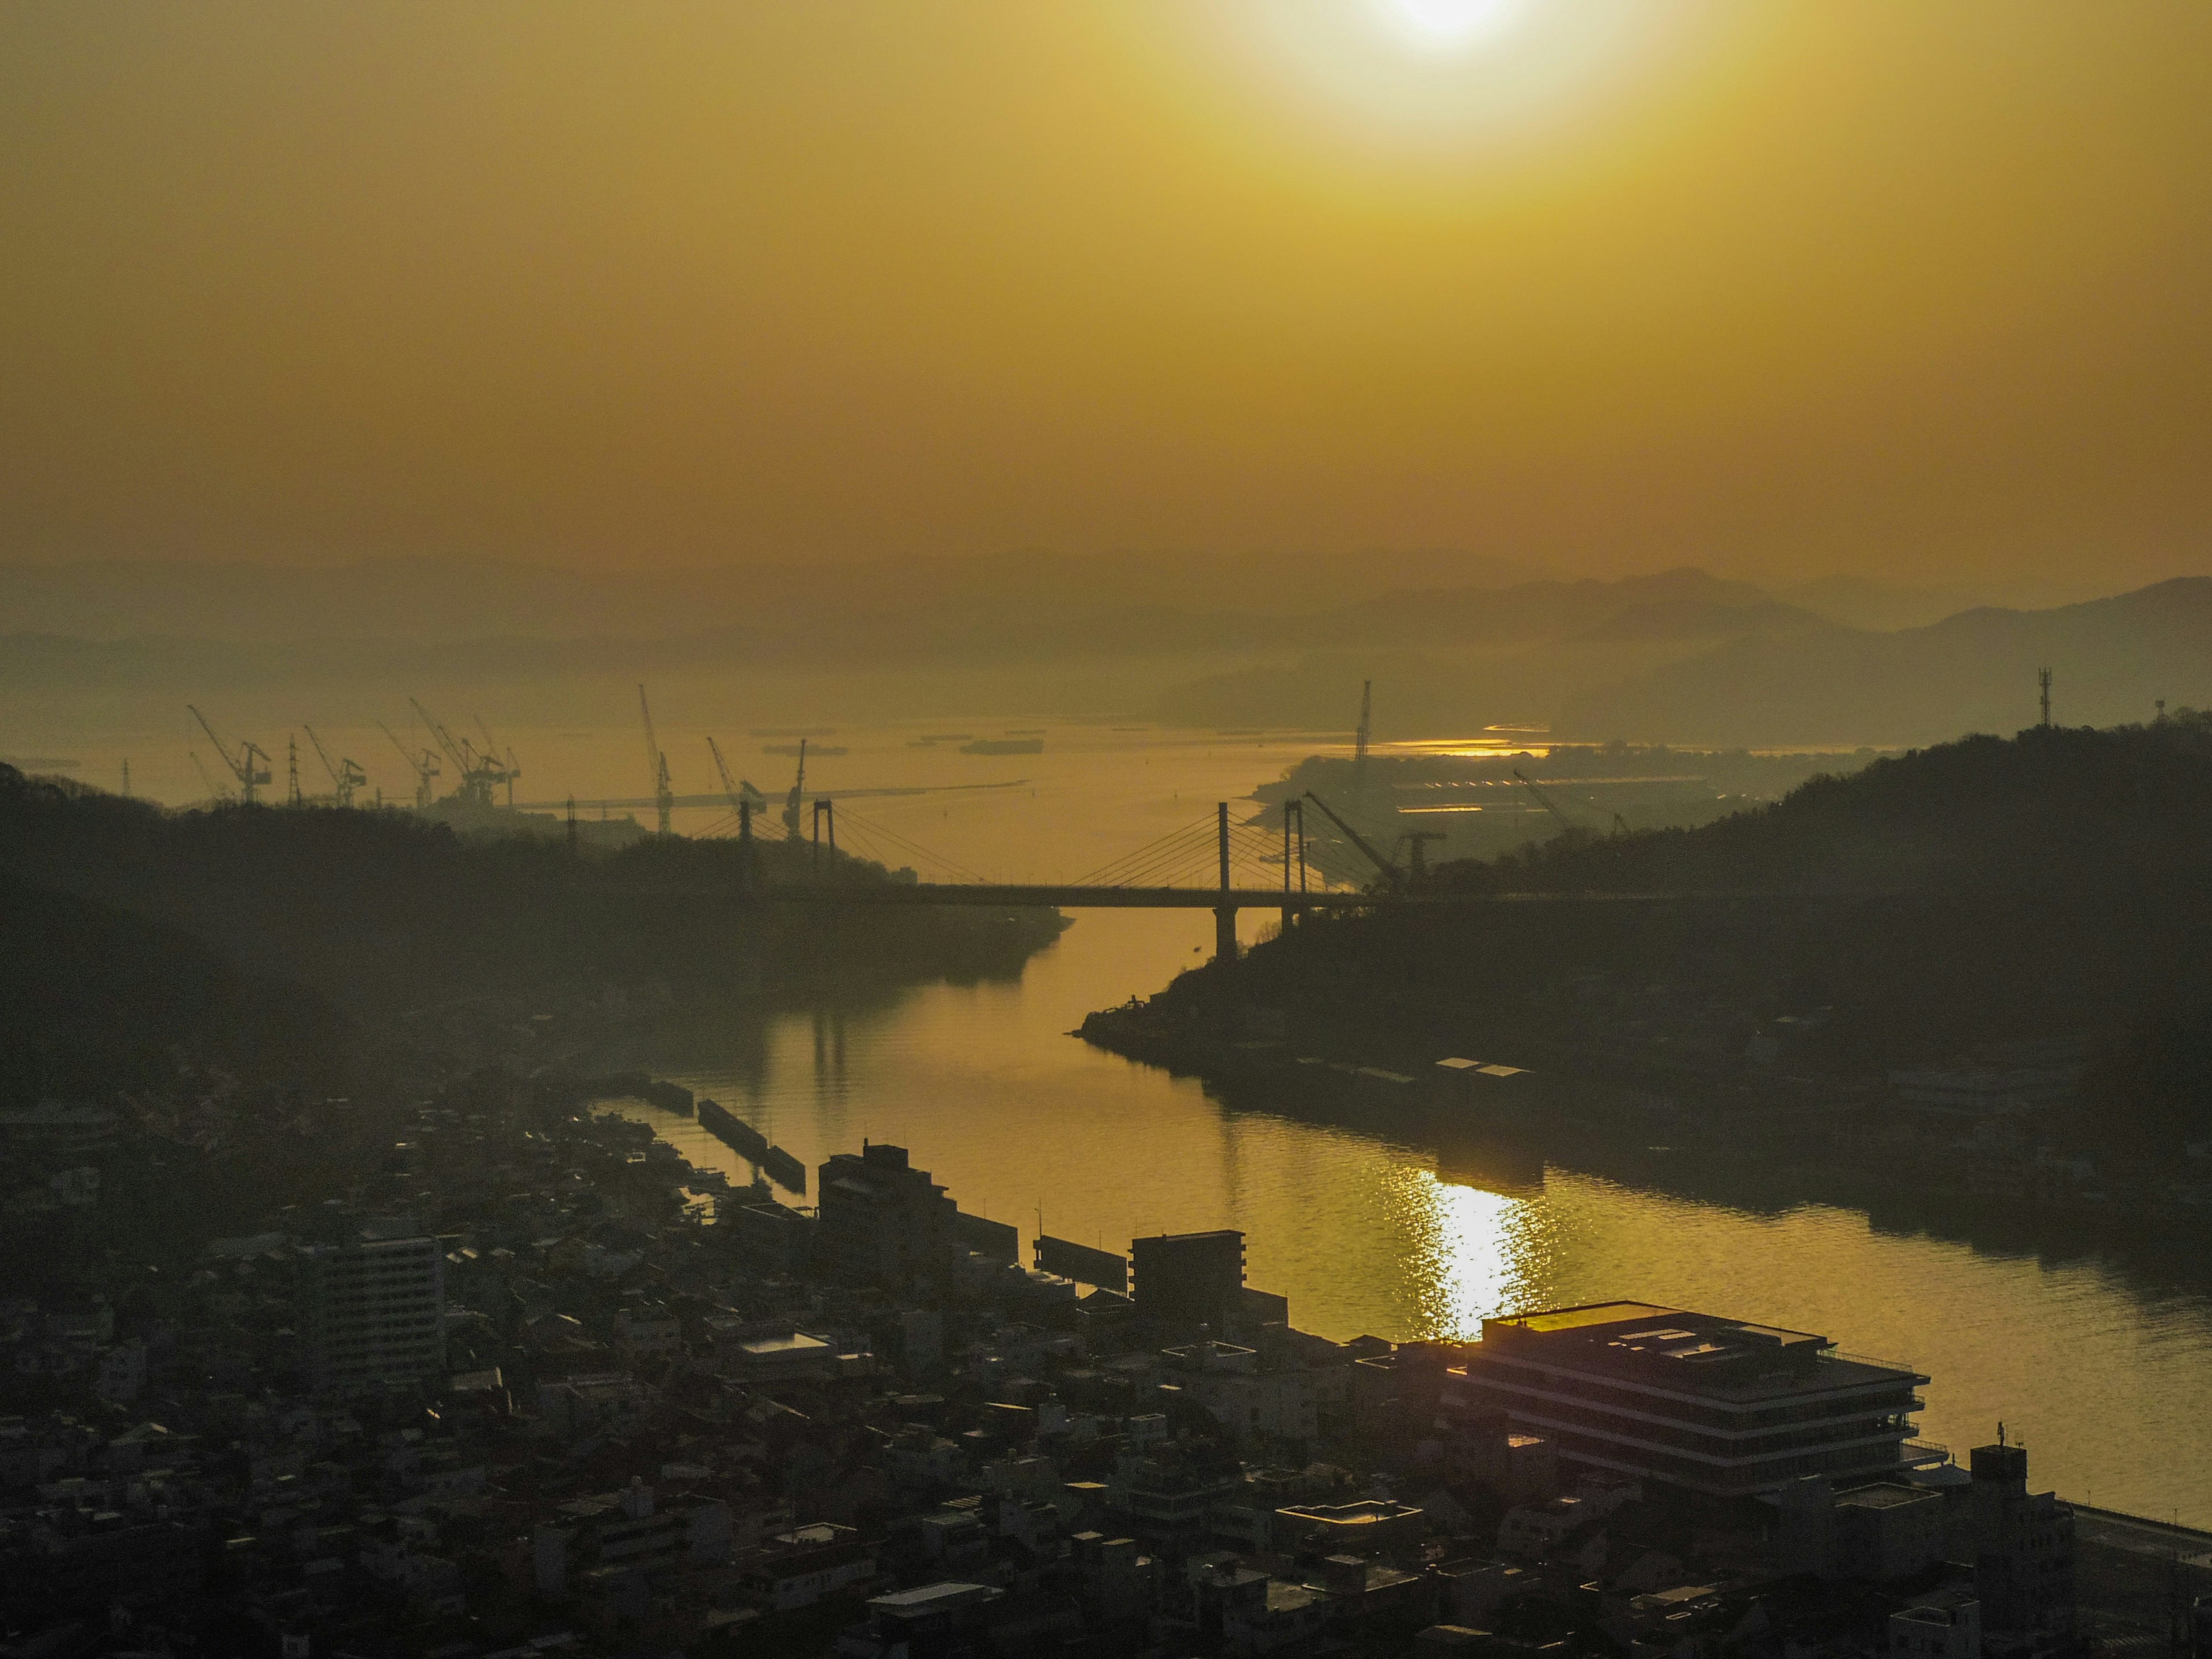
381, 910
93, 1000
1973, 671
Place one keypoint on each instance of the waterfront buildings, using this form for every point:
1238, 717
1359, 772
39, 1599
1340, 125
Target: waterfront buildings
882, 1216
1189, 1279
1689, 1401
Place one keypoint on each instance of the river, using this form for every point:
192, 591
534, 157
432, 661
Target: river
2097, 1357
2098, 1364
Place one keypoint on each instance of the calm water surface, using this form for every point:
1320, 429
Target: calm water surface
2105, 1368
2107, 1381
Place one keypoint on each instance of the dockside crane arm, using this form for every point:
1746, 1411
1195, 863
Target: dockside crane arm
424, 766
456, 752
215, 792
737, 789
240, 763
1391, 875
1619, 824
656, 759
324, 755
345, 777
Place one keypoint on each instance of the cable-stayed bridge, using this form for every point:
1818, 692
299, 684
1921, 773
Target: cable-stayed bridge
1212, 863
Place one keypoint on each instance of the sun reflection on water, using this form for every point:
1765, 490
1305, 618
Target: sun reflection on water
1474, 1253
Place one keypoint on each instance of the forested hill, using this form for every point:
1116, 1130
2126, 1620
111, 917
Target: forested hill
2122, 811
93, 1000
383, 912
1985, 891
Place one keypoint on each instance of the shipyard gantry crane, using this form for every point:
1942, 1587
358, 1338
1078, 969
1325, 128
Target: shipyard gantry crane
1393, 878
346, 776
424, 765
664, 796
240, 761
1619, 824
479, 773
739, 792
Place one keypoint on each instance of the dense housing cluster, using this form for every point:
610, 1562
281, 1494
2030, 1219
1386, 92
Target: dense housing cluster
528, 1382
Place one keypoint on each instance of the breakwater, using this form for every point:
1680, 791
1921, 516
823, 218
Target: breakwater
749, 1143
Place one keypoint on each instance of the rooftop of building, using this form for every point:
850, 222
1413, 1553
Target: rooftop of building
1711, 1353
1885, 1495
1365, 1512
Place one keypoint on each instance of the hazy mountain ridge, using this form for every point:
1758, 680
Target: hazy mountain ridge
1677, 656
2111, 659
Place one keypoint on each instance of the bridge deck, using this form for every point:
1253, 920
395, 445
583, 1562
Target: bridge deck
999, 897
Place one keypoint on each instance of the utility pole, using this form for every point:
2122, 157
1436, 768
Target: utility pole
1224, 914
2042, 680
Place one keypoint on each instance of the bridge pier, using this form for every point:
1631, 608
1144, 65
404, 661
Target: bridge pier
1225, 932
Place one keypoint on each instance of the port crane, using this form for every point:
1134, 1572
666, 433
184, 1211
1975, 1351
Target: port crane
479, 773
1619, 824
798, 793
663, 797
424, 765
345, 777
741, 794
513, 769
1393, 877
216, 792
241, 762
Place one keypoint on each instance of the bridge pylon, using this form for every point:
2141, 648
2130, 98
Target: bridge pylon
1225, 915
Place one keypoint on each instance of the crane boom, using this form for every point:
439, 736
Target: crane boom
444, 739
663, 797
1391, 875
1619, 824
424, 766
741, 794
200, 767
1543, 799
346, 777
241, 764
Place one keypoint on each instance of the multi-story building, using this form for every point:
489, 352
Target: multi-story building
375, 1312
1692, 1402
2023, 1550
1190, 1279
882, 1217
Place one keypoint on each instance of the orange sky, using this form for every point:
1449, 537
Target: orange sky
1909, 289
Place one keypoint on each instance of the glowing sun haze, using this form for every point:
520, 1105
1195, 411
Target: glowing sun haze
1778, 288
